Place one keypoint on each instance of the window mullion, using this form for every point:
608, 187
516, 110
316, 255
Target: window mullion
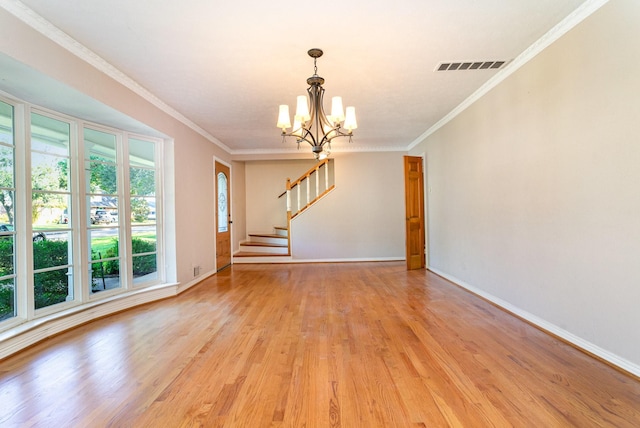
24, 246
125, 217
79, 212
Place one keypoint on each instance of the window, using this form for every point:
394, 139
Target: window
50, 199
103, 231
7, 232
144, 216
86, 222
223, 217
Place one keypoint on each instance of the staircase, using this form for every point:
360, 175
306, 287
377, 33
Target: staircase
265, 248
300, 194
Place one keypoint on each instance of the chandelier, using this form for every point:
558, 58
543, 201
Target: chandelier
310, 123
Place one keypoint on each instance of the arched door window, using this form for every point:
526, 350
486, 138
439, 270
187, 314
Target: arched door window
223, 217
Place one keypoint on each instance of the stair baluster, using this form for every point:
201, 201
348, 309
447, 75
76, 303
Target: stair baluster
262, 247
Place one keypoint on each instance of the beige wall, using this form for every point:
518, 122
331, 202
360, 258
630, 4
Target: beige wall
533, 191
238, 205
362, 219
265, 180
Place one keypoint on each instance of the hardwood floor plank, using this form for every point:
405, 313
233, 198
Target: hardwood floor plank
315, 345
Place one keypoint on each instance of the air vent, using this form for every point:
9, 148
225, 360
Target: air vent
470, 65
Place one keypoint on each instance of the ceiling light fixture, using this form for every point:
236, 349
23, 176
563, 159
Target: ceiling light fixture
312, 124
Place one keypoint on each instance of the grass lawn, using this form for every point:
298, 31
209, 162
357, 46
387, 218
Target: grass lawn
102, 243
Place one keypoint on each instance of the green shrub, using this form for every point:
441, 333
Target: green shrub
111, 267
50, 287
6, 256
7, 301
142, 265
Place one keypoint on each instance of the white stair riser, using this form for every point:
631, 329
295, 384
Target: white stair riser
262, 249
282, 232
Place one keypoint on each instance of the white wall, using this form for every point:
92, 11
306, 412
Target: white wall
362, 219
535, 189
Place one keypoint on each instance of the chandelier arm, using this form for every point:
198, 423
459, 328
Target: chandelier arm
336, 132
303, 137
319, 121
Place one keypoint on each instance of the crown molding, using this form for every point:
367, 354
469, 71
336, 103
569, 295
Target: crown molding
294, 150
573, 19
53, 33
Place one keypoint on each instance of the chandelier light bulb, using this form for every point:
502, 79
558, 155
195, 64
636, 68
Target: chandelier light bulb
297, 128
337, 113
284, 120
350, 121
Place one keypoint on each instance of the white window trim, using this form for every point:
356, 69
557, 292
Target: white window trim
27, 317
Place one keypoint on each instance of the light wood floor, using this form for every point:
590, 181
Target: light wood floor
313, 345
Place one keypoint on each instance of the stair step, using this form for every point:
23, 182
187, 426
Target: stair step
282, 231
248, 257
262, 244
256, 254
267, 235
267, 245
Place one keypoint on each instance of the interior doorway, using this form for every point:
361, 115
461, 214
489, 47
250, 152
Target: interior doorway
414, 203
223, 216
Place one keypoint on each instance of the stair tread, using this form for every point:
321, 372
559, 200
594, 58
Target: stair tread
263, 244
267, 235
254, 254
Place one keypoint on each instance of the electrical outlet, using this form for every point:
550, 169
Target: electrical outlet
196, 270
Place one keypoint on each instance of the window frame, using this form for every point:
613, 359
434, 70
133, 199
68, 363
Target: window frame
77, 212
159, 199
73, 261
87, 226
18, 295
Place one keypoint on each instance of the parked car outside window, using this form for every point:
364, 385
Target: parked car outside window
101, 216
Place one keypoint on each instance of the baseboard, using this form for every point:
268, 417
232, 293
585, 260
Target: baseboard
338, 260
187, 285
576, 341
31, 332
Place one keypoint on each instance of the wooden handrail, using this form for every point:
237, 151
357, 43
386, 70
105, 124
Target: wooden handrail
304, 176
309, 172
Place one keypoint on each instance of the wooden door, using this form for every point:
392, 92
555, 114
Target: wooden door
414, 202
223, 216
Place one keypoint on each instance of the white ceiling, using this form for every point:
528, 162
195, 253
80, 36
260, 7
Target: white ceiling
226, 66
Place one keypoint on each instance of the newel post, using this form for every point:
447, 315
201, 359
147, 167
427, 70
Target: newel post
288, 195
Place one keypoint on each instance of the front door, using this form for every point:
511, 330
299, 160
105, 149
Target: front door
223, 217
414, 201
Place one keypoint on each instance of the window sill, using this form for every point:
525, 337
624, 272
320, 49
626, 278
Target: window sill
31, 332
